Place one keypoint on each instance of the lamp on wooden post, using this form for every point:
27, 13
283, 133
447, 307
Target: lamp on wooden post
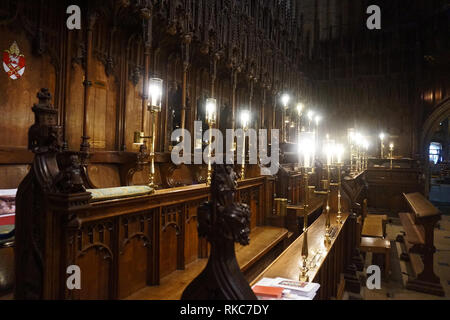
306, 150
245, 121
339, 151
285, 98
382, 136
391, 152
153, 106
211, 117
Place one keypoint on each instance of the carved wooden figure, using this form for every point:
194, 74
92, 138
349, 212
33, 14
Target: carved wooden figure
222, 222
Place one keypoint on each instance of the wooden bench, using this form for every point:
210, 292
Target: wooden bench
252, 259
377, 245
419, 241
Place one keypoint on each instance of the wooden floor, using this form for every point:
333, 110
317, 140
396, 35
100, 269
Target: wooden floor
262, 240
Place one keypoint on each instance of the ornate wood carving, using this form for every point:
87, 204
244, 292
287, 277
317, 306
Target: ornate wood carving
51, 177
222, 221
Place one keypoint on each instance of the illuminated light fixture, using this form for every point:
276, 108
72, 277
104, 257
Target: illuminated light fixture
339, 152
300, 108
211, 111
306, 148
391, 151
211, 116
245, 121
310, 115
285, 100
318, 119
155, 89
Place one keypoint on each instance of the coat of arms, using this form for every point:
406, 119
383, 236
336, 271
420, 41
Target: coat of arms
14, 62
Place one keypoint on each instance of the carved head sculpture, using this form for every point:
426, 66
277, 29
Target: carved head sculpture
223, 216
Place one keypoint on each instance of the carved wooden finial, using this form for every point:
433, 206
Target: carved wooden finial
222, 221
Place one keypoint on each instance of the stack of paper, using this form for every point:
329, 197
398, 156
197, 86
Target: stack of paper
292, 290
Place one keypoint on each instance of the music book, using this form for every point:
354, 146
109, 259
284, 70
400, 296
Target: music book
268, 292
291, 289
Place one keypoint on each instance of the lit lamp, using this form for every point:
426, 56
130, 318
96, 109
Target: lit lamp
285, 101
366, 153
154, 105
310, 118
211, 116
329, 148
391, 152
339, 151
317, 120
382, 145
351, 141
306, 150
245, 121
358, 142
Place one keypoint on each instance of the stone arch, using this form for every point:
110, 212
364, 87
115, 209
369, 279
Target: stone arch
440, 113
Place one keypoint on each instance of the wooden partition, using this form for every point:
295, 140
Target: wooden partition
386, 185
331, 262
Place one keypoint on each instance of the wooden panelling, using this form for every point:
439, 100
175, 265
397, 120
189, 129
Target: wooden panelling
191, 239
170, 242
74, 110
104, 176
135, 244
17, 96
386, 187
12, 175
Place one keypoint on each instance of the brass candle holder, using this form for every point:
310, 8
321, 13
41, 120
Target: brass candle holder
339, 213
304, 269
245, 120
391, 152
382, 145
327, 239
211, 116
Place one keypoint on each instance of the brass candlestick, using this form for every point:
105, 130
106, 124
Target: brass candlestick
327, 239
209, 178
245, 119
339, 215
391, 152
243, 157
211, 116
304, 269
151, 183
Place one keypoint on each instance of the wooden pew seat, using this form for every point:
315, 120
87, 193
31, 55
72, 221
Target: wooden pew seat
263, 240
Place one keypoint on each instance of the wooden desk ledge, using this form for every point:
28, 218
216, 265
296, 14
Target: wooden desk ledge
287, 264
414, 233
